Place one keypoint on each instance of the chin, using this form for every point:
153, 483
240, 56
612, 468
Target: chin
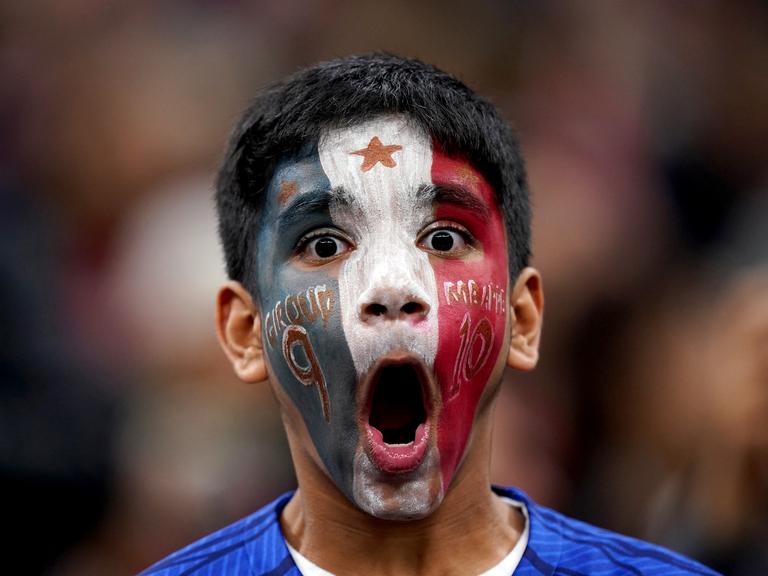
403, 496
396, 472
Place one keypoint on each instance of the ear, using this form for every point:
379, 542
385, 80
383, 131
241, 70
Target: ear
526, 310
238, 326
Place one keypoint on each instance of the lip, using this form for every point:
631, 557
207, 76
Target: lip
398, 458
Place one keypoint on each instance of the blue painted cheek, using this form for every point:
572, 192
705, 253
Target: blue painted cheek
310, 356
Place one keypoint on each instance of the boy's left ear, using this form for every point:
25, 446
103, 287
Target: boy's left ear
526, 310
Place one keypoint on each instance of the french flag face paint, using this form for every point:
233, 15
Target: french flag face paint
383, 287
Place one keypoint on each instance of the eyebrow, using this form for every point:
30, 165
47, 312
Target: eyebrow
303, 206
460, 197
312, 202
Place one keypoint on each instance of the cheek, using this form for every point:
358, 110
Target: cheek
301, 332
310, 359
291, 334
471, 324
295, 326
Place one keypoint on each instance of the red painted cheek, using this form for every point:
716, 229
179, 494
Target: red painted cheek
472, 297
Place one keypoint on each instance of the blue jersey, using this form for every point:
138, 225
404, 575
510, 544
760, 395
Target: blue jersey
557, 545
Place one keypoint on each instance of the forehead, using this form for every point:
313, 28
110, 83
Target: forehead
384, 163
386, 154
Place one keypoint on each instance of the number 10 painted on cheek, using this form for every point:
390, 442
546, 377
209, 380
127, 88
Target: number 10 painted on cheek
470, 359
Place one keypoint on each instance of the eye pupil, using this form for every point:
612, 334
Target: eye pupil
325, 247
442, 241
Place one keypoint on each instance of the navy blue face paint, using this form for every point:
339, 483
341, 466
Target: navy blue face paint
301, 320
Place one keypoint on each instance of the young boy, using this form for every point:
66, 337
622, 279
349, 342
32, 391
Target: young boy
375, 220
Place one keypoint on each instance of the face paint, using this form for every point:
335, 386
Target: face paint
388, 373
388, 299
301, 325
472, 309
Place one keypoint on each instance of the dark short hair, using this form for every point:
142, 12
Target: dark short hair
294, 112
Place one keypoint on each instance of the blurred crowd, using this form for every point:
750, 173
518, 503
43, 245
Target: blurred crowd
123, 432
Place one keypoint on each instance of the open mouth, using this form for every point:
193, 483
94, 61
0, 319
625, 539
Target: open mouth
398, 415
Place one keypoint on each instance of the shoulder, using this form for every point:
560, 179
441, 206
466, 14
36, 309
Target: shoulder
558, 544
252, 546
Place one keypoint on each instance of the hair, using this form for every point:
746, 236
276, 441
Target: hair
296, 111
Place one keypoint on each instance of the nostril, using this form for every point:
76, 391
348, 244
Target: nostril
412, 308
387, 306
375, 309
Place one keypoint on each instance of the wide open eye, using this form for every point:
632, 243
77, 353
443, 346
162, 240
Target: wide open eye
323, 246
446, 240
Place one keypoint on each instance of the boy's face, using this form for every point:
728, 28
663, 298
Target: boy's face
383, 292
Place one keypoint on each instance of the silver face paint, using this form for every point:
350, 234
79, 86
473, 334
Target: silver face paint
377, 170
409, 498
387, 267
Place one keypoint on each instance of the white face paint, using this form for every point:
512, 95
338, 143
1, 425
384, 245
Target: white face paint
381, 166
387, 291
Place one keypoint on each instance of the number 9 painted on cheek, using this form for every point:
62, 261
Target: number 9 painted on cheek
310, 374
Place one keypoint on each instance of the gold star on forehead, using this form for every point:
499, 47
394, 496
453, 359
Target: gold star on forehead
376, 152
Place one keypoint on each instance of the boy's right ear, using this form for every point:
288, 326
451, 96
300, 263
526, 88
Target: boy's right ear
238, 326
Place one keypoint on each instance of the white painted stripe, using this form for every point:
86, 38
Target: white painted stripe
386, 267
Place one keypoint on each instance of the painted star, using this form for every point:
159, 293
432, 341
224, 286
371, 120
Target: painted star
376, 152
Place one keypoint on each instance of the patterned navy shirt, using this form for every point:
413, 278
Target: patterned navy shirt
557, 545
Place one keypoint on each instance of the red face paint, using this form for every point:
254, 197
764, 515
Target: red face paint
472, 296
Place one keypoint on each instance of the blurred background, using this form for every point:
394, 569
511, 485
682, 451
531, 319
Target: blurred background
123, 433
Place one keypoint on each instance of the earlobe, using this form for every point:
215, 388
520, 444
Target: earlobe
526, 309
238, 326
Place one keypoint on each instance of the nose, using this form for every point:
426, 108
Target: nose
390, 303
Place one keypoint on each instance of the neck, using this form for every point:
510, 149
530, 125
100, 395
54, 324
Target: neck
470, 531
